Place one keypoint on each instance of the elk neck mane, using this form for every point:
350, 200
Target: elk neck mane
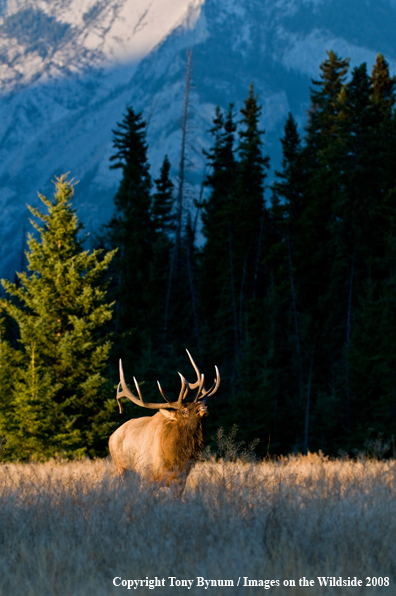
182, 441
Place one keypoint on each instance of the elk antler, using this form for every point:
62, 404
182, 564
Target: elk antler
126, 392
201, 393
185, 387
212, 390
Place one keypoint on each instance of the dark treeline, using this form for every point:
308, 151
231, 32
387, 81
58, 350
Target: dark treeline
292, 294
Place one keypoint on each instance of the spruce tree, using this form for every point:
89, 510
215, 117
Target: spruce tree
248, 236
371, 354
344, 231
163, 201
132, 230
323, 154
217, 307
311, 243
383, 90
162, 250
383, 96
57, 400
249, 210
323, 114
233, 217
286, 342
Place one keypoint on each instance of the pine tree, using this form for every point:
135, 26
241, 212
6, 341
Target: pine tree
383, 90
163, 200
248, 237
310, 237
132, 231
345, 225
287, 341
217, 307
221, 179
324, 110
383, 96
57, 402
233, 217
371, 354
248, 214
323, 155
163, 250
9, 361
248, 204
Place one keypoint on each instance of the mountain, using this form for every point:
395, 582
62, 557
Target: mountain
69, 68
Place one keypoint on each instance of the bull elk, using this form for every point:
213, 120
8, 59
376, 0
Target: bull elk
163, 447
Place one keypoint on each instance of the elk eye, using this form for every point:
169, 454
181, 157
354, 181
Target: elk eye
185, 412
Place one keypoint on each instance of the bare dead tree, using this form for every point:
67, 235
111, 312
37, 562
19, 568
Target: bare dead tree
179, 204
174, 265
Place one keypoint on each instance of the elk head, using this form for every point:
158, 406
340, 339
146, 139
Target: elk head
180, 410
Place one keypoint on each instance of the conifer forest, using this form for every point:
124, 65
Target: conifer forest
292, 294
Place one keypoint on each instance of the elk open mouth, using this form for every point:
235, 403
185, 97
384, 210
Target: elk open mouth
202, 410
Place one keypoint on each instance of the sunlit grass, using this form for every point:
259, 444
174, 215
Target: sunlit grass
69, 528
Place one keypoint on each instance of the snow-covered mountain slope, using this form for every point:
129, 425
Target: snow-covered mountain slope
69, 68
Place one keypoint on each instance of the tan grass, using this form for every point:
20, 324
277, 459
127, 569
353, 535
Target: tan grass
69, 528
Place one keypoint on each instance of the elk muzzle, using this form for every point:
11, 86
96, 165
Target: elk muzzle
202, 410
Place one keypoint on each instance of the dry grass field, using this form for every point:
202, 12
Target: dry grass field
70, 528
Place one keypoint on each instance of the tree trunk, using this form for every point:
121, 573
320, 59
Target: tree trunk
179, 203
256, 266
347, 342
234, 310
296, 325
174, 267
308, 403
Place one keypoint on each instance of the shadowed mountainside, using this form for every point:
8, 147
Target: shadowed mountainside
69, 69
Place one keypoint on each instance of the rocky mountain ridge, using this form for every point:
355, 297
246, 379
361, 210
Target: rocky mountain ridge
69, 68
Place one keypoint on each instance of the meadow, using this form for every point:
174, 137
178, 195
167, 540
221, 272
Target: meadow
70, 528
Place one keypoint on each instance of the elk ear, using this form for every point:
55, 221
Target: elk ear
171, 414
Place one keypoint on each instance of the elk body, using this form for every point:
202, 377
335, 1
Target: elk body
162, 448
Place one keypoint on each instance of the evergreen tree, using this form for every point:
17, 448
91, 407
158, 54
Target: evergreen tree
56, 401
132, 231
163, 248
248, 217
323, 155
217, 305
248, 206
384, 98
233, 219
142, 228
287, 341
383, 90
344, 229
221, 179
9, 362
324, 110
358, 231
309, 239
371, 354
163, 200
